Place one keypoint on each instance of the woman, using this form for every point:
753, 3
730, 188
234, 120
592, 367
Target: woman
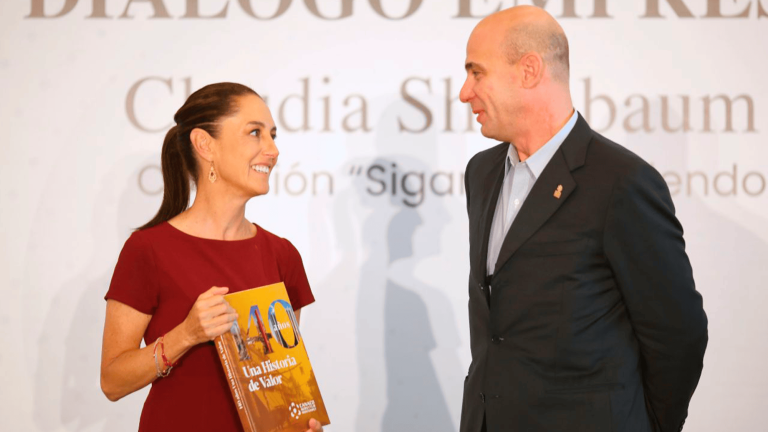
173, 272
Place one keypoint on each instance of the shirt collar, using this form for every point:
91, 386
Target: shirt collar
539, 160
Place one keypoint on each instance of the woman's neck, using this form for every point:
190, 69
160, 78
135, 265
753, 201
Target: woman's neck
215, 216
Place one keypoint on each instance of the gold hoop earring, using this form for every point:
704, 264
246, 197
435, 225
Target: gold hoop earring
212, 174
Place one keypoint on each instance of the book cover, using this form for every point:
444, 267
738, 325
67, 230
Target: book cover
266, 364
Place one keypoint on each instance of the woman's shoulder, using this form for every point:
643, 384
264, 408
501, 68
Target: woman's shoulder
278, 244
147, 235
146, 239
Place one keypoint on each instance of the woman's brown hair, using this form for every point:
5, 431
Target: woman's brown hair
203, 109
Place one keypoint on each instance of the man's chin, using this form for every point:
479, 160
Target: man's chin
487, 132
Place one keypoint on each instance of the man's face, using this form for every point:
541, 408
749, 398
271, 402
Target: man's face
491, 87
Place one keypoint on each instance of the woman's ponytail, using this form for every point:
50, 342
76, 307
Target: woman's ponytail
175, 181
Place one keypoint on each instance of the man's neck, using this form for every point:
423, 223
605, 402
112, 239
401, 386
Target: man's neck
544, 126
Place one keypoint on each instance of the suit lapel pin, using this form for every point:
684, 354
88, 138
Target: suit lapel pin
558, 191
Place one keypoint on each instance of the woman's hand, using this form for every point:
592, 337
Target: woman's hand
125, 367
209, 317
314, 426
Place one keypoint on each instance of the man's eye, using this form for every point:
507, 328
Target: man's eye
256, 132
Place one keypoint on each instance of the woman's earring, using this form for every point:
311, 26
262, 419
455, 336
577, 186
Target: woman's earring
212, 174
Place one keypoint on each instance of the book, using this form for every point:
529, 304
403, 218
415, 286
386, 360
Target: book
266, 364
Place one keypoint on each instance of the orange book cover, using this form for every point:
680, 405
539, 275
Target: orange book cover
266, 364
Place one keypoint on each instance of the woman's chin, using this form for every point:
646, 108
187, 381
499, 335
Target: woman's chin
260, 190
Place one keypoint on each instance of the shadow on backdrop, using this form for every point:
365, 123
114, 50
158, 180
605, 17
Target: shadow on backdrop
71, 396
416, 360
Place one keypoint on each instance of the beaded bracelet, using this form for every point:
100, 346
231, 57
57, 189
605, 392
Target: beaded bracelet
167, 363
159, 373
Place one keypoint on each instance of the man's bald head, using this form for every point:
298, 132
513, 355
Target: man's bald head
517, 76
528, 29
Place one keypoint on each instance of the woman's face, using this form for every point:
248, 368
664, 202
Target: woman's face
245, 152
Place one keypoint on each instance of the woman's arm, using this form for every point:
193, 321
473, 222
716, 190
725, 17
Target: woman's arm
126, 368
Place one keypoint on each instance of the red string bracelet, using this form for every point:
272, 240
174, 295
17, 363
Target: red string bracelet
167, 363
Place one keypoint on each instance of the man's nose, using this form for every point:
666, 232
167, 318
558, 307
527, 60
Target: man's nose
466, 92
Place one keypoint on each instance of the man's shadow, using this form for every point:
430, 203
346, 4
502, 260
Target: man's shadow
416, 361
415, 398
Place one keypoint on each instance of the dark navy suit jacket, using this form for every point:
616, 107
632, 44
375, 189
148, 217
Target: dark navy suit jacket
594, 323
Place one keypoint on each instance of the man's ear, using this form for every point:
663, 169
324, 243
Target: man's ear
202, 143
532, 69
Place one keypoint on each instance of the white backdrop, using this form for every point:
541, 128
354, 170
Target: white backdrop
89, 87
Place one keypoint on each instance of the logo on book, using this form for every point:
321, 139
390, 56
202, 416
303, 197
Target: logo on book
296, 410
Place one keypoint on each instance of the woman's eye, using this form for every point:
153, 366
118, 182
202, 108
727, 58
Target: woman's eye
256, 132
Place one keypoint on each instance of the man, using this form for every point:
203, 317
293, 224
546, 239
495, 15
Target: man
582, 307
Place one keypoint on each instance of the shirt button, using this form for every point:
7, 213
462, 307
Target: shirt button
495, 339
517, 203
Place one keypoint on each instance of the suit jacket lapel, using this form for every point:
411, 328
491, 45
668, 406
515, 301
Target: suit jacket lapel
541, 202
539, 206
492, 182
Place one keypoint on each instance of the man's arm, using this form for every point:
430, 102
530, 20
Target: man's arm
466, 180
644, 245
